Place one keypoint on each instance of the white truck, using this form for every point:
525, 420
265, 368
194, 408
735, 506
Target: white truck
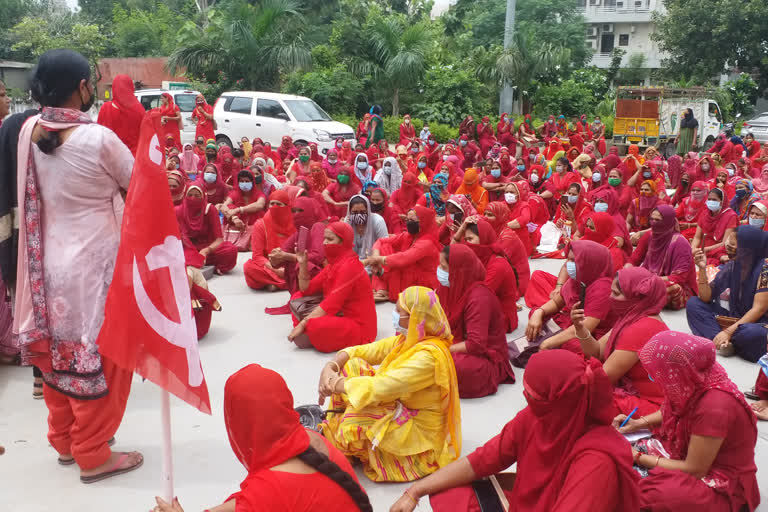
650, 116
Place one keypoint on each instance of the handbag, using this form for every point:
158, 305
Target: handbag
301, 307
520, 349
725, 321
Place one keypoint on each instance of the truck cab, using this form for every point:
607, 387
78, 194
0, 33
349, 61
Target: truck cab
650, 116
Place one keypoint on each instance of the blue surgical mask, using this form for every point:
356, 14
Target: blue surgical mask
601, 207
646, 174
573, 199
463, 143
362, 165
387, 170
714, 206
422, 165
758, 223
246, 186
741, 193
730, 171
531, 156
209, 177
521, 168
442, 277
496, 173
396, 323
570, 267
445, 158
431, 142
596, 176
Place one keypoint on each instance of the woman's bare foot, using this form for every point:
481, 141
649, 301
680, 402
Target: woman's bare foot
117, 464
380, 296
761, 409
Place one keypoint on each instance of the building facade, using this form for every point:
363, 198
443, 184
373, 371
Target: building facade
624, 24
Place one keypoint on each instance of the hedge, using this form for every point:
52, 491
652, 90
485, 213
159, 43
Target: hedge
443, 132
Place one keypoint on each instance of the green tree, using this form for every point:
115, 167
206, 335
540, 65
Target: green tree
568, 97
140, 33
335, 89
447, 94
400, 55
251, 43
521, 64
36, 35
705, 38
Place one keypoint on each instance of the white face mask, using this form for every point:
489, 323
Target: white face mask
510, 198
332, 161
534, 178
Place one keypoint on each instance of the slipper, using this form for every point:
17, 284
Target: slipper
66, 462
114, 470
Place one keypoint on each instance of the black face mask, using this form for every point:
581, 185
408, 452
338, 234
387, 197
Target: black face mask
685, 184
211, 157
413, 227
376, 208
85, 107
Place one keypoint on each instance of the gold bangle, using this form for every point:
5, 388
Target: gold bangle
585, 338
657, 461
643, 418
407, 493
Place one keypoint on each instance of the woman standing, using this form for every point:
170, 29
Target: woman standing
375, 127
687, 135
402, 420
71, 176
203, 113
477, 322
123, 114
170, 119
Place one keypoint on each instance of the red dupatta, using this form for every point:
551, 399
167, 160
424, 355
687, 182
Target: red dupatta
191, 213
278, 222
593, 262
408, 194
467, 273
646, 295
714, 225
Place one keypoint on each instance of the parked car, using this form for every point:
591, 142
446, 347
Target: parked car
758, 125
271, 116
184, 99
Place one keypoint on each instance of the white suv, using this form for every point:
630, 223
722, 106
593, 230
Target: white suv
271, 116
185, 100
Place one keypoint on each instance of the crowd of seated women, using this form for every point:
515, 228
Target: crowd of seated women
445, 233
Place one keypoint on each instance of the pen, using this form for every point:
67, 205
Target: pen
628, 417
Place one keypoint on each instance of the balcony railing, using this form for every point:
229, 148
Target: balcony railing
616, 14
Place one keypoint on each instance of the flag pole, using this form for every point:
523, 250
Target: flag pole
166, 472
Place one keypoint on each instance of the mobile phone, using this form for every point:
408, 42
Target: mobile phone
458, 218
583, 295
563, 200
487, 497
301, 240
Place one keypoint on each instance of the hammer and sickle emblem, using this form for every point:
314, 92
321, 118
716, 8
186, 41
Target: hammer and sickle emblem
183, 334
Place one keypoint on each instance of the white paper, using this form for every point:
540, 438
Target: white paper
636, 436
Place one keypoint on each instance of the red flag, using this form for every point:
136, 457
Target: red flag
148, 324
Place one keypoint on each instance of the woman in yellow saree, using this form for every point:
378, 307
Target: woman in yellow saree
402, 420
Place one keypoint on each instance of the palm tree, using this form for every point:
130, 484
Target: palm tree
520, 64
247, 42
399, 55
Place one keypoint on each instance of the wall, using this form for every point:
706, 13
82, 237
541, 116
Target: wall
16, 78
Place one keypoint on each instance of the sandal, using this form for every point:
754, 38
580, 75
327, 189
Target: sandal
115, 469
751, 395
37, 390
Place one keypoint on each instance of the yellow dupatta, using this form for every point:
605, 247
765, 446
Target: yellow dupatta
428, 329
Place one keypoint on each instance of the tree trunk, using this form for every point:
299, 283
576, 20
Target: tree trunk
396, 103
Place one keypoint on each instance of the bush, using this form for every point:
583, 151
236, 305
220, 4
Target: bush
335, 89
568, 97
448, 94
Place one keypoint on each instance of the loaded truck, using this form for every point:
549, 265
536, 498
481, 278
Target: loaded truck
650, 116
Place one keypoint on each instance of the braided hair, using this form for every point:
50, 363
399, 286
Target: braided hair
322, 464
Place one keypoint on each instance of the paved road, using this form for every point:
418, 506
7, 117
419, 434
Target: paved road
206, 470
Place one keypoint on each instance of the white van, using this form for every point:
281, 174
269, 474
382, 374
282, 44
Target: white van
184, 99
271, 116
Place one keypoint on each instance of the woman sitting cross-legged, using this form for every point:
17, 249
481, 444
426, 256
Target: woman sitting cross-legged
637, 298
402, 420
500, 277
280, 455
347, 315
761, 391
588, 264
715, 225
705, 426
665, 252
199, 223
406, 259
569, 458
741, 327
477, 321
268, 234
